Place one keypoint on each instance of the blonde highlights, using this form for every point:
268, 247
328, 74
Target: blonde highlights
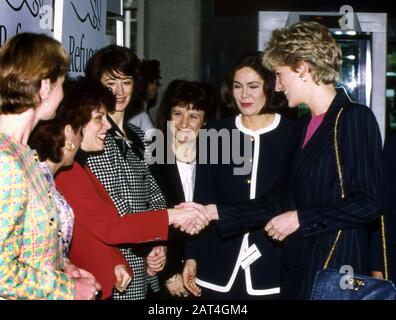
308, 42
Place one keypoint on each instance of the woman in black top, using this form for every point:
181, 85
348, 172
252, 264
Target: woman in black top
217, 263
184, 108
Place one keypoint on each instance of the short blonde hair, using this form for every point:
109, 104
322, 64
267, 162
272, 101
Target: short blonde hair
25, 60
305, 41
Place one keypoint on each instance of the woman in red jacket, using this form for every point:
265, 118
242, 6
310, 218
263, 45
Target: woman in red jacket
98, 229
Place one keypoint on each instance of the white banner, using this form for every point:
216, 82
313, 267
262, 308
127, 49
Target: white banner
81, 27
18, 16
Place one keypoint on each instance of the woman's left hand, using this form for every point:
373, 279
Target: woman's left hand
123, 278
156, 260
282, 225
175, 286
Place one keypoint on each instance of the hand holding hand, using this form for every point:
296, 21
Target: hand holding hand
156, 260
190, 220
209, 210
123, 278
175, 286
189, 275
71, 269
282, 225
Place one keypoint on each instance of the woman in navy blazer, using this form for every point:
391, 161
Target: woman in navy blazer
218, 261
306, 60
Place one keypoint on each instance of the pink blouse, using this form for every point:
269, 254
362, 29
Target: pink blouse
312, 127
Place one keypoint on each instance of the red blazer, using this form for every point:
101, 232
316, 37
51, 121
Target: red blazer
98, 227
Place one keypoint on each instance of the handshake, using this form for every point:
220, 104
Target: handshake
192, 217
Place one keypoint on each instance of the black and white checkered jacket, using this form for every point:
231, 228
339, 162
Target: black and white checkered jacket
126, 176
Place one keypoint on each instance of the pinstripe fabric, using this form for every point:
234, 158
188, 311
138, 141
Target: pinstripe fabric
30, 245
316, 193
389, 210
311, 186
132, 189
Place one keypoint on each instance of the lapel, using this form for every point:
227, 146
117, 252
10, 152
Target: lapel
173, 177
322, 139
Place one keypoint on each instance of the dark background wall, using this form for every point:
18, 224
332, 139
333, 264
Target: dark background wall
229, 27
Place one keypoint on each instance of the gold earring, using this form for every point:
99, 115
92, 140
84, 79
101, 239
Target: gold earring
46, 104
70, 146
301, 76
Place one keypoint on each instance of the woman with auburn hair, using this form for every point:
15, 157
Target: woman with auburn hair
326, 204
32, 70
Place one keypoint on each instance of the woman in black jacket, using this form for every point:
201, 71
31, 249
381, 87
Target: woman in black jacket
247, 264
184, 108
306, 60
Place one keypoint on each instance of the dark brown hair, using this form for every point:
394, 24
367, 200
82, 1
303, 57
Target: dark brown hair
25, 60
183, 93
112, 59
275, 102
81, 97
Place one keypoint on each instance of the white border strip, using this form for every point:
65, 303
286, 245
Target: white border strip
58, 19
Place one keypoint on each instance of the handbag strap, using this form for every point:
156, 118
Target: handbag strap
341, 183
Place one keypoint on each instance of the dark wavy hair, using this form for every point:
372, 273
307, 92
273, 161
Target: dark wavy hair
81, 97
184, 93
275, 101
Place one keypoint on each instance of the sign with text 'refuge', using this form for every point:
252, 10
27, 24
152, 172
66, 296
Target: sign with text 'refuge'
81, 26
17, 16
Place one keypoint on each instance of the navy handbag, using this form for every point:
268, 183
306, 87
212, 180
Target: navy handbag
332, 284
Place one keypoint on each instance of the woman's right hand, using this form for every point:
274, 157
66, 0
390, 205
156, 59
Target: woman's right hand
123, 278
189, 219
189, 275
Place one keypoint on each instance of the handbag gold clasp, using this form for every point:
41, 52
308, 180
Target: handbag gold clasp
355, 283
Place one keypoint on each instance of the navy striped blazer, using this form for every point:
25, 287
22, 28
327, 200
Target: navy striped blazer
310, 185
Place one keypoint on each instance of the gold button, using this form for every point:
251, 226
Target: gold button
36, 158
59, 233
51, 221
248, 181
49, 195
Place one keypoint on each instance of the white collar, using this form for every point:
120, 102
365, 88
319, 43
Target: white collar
242, 128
